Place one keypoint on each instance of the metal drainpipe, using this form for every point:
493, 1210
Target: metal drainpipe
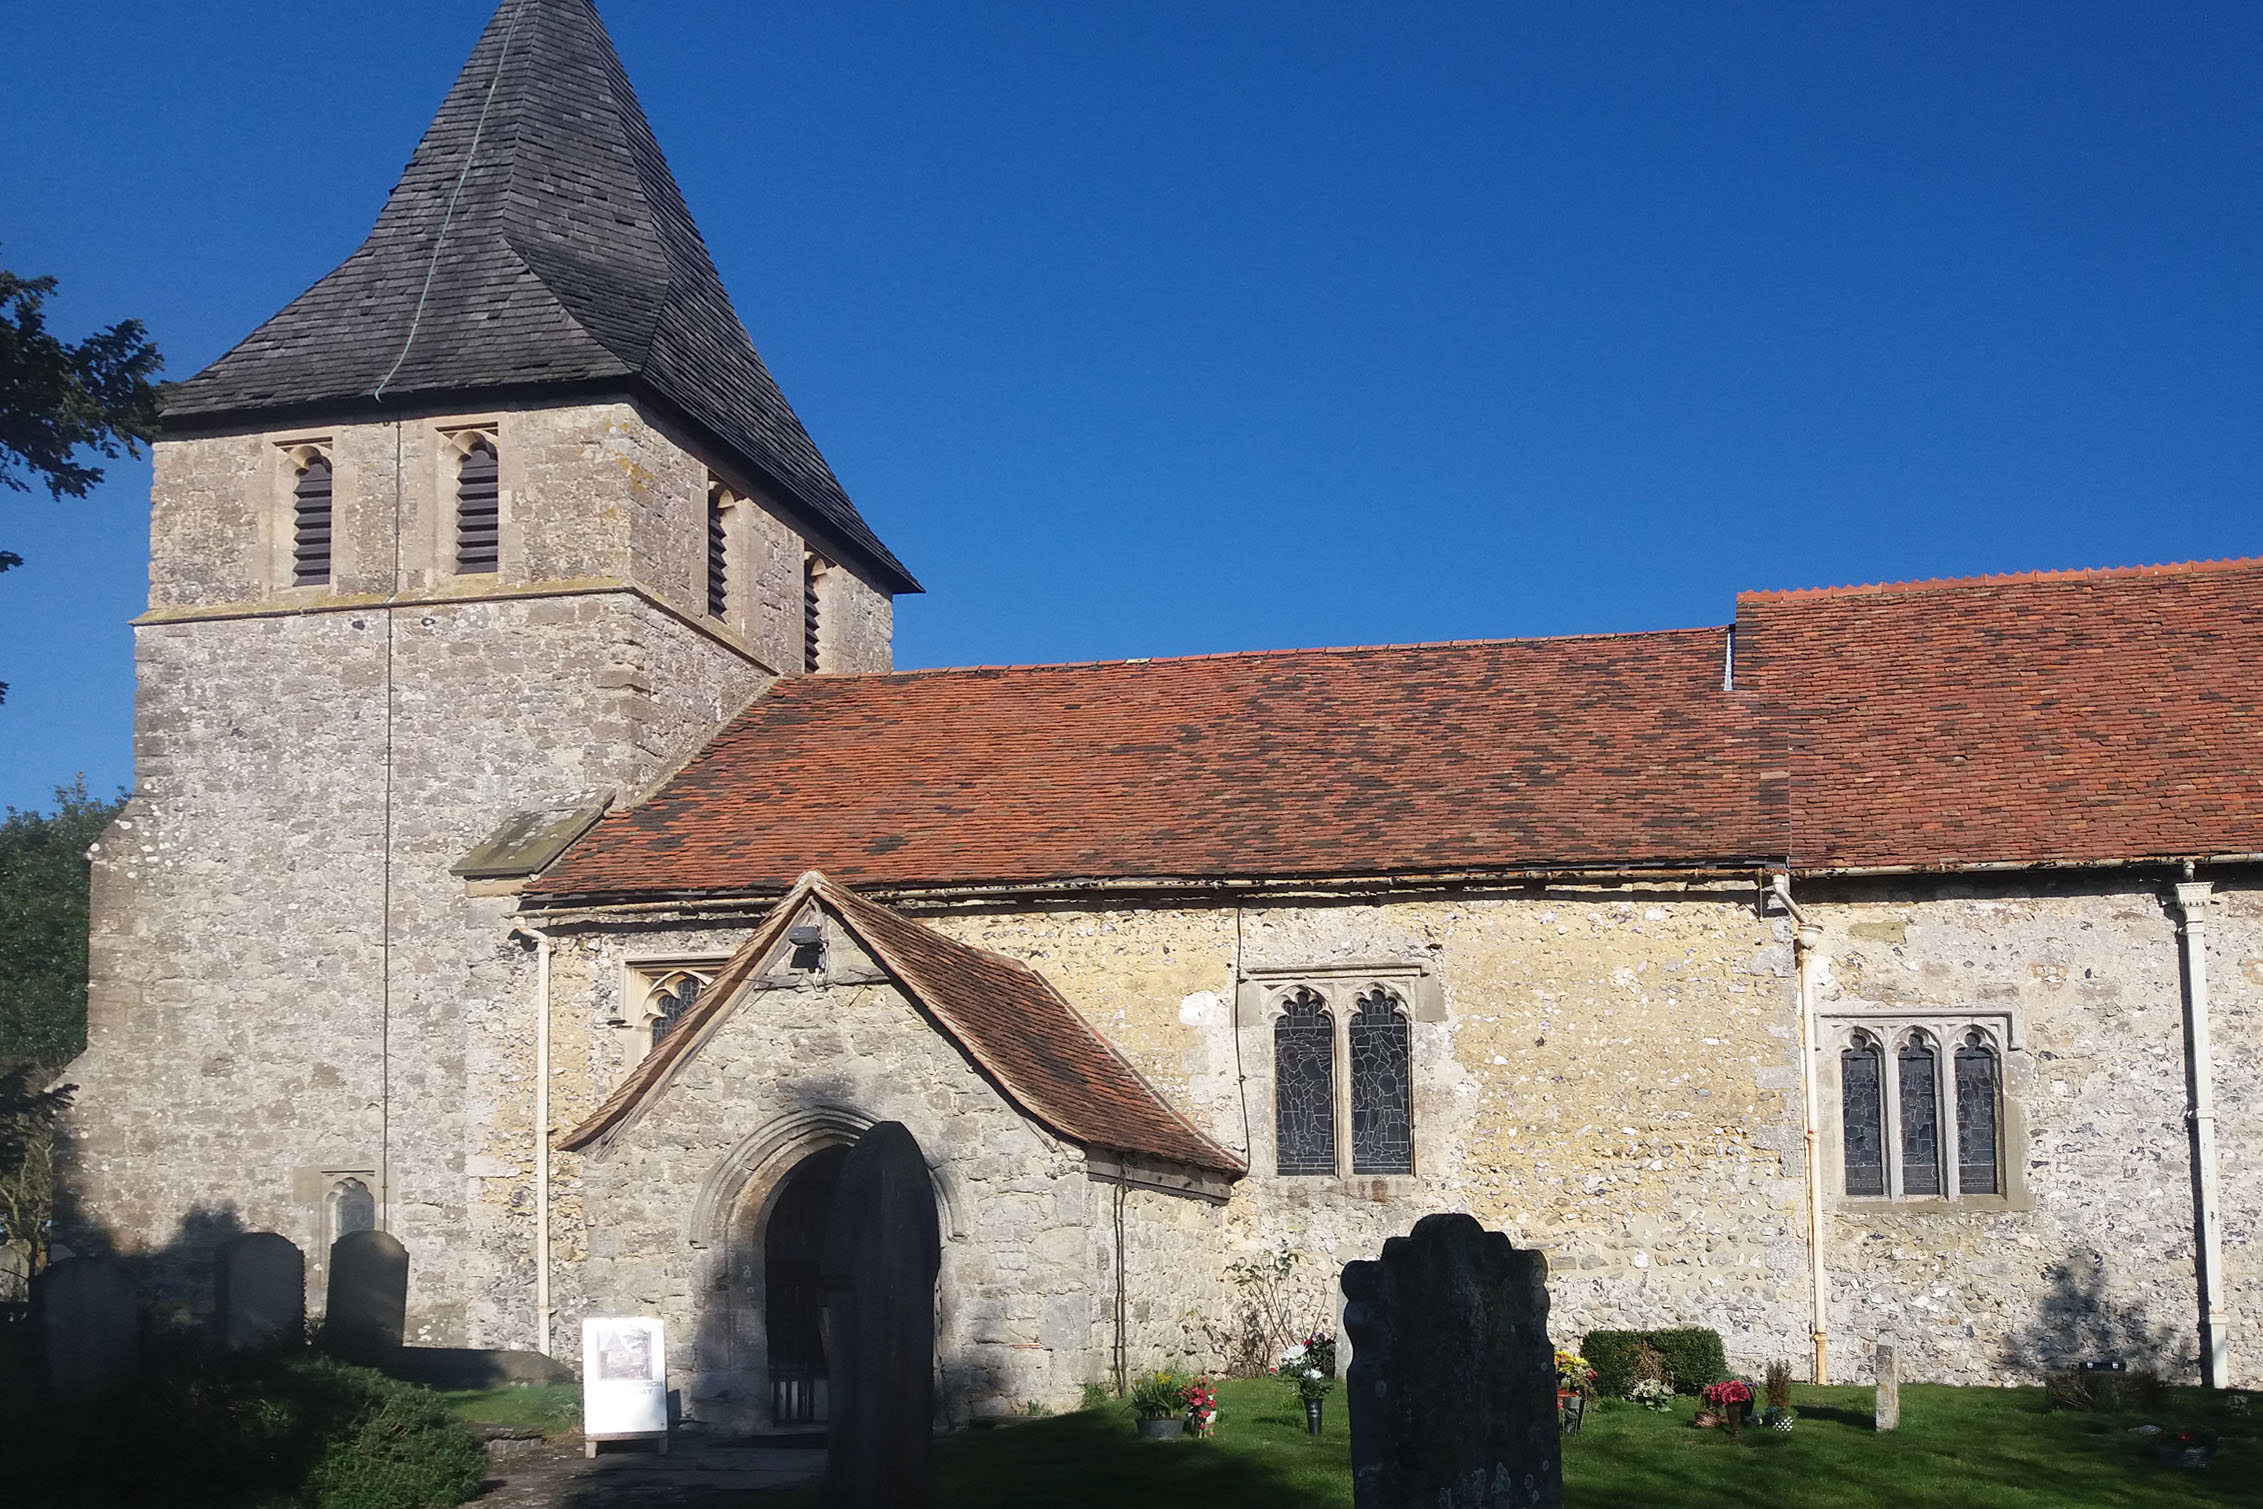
2215, 1344
1808, 950
541, 1137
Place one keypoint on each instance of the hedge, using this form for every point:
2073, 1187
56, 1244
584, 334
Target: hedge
1694, 1358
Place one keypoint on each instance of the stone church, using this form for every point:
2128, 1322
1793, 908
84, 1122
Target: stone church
535, 855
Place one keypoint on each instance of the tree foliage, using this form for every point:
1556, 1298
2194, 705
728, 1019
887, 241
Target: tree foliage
58, 399
43, 926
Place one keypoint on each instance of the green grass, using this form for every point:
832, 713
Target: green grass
1984, 1448
552, 1408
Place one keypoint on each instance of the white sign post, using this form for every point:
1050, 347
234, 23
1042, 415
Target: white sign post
624, 1382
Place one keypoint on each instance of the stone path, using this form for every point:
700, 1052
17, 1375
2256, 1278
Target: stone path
695, 1474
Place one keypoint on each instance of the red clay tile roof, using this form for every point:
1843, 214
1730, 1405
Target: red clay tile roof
2066, 717
2062, 717
1006, 1018
1611, 750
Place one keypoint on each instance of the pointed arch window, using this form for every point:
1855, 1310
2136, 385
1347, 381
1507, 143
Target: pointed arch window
1382, 1089
1304, 1086
351, 1208
1862, 1115
670, 1001
1978, 1090
310, 521
479, 507
1919, 1066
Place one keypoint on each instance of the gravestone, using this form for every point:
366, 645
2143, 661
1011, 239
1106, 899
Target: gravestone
882, 1250
368, 1308
261, 1292
90, 1320
1889, 1375
1452, 1385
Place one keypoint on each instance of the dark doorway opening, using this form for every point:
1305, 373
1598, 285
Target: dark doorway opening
793, 1297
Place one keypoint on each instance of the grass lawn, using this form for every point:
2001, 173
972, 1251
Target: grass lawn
552, 1408
1997, 1448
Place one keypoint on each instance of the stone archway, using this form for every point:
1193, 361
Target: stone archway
793, 1293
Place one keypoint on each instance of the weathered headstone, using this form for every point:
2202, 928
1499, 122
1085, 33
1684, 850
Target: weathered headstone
882, 1249
15, 1272
367, 1312
261, 1292
1889, 1375
1452, 1386
90, 1320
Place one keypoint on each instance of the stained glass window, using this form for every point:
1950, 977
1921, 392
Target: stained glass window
1862, 1106
1382, 1090
1920, 1107
1304, 1087
672, 1005
1976, 1116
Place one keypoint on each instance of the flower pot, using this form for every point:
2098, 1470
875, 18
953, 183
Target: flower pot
1312, 1417
1163, 1430
1734, 1419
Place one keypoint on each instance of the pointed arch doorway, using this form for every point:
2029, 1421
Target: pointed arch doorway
793, 1294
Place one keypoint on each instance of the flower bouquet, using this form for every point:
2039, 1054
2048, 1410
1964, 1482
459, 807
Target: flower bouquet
1574, 1375
1653, 1394
1202, 1408
1309, 1367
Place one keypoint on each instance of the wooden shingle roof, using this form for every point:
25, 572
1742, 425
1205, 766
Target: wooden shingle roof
537, 243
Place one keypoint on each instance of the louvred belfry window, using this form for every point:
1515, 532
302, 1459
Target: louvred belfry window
718, 552
1920, 1109
1304, 1087
1976, 1116
812, 570
1382, 1087
310, 523
1862, 1115
479, 513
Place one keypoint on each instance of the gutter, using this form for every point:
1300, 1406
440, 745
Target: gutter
1808, 946
2191, 910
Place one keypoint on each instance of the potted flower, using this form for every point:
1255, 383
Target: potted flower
1202, 1409
1160, 1402
1779, 1384
1575, 1385
1728, 1400
1309, 1367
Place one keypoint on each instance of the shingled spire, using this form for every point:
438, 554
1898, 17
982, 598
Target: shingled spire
536, 245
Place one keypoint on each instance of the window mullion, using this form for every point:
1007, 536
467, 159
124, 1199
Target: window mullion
1340, 1020
1945, 1116
1890, 1079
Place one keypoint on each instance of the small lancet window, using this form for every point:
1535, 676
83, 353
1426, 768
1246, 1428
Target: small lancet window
1862, 1105
1977, 1092
813, 568
310, 523
1919, 1067
1382, 1087
718, 550
352, 1208
479, 511
671, 1003
1304, 1087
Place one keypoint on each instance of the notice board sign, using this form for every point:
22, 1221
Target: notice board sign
624, 1387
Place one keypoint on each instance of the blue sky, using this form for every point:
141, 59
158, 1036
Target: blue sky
1165, 328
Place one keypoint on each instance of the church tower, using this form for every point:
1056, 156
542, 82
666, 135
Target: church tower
493, 525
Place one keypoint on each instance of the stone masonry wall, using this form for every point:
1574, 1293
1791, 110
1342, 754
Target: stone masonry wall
244, 1047
2094, 1257
669, 1219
